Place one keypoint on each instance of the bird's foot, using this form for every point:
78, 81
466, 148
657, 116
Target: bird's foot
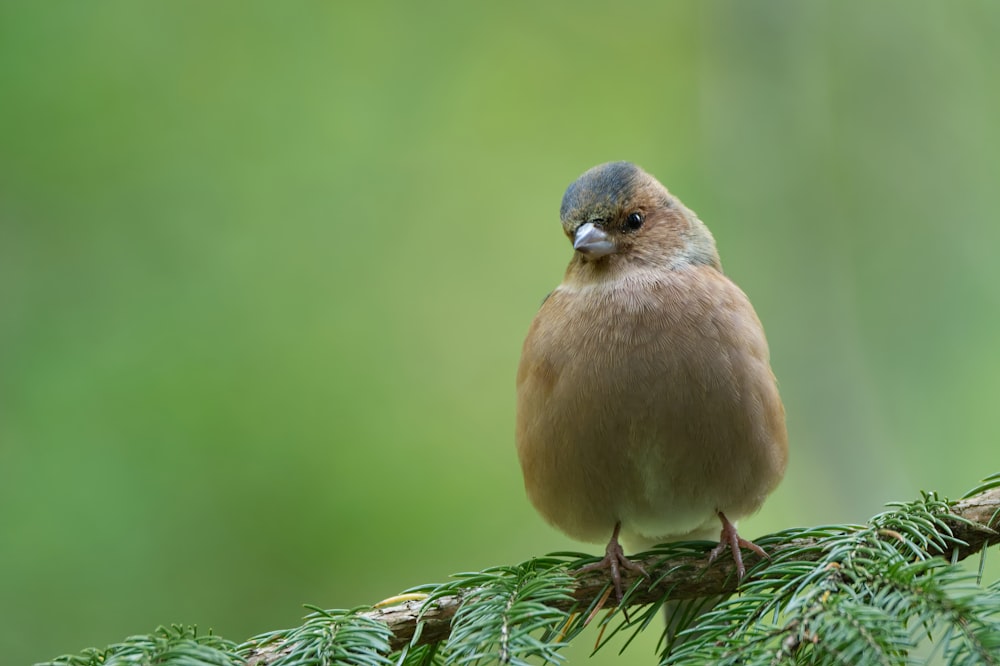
614, 561
731, 539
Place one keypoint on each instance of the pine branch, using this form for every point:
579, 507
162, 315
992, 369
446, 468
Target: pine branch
680, 572
834, 594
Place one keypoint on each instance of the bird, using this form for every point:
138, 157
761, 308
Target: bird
647, 409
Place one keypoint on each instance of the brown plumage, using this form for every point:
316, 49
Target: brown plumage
645, 395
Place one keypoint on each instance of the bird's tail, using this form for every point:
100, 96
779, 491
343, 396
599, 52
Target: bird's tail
684, 614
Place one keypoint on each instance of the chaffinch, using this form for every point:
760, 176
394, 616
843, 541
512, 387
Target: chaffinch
646, 405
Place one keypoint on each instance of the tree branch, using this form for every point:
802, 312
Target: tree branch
973, 523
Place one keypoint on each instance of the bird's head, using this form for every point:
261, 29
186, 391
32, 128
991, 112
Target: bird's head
616, 212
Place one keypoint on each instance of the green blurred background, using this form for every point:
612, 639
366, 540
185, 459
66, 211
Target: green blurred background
265, 270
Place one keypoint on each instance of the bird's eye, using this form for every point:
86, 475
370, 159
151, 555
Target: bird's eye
634, 221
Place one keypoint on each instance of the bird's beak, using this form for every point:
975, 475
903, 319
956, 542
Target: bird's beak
592, 241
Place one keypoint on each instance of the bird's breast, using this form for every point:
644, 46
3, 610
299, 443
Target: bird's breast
647, 399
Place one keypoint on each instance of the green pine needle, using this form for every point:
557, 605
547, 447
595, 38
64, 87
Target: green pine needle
328, 638
872, 596
176, 645
507, 615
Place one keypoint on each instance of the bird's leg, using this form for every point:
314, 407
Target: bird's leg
735, 542
614, 561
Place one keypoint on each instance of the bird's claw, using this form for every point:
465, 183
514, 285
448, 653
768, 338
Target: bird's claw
614, 561
729, 538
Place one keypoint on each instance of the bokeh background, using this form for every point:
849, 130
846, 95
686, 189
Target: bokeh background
265, 270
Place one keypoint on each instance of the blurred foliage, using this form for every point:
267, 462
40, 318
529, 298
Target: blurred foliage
265, 269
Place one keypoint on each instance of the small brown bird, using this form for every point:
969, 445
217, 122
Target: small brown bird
646, 404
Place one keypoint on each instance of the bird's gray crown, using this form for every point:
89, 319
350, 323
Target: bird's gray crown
604, 188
